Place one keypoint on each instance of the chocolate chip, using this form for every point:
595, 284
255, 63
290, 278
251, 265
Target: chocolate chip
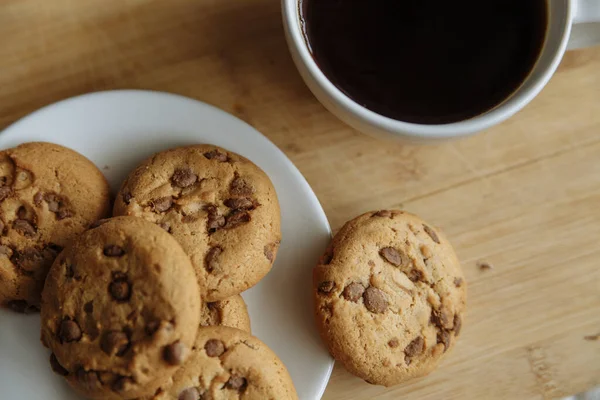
184, 177
69, 331
441, 319
22, 213
432, 234
216, 155
393, 256
152, 327
24, 227
120, 288
211, 260
56, 367
123, 384
89, 307
5, 191
58, 205
6, 251
415, 347
113, 250
393, 343
190, 393
457, 324
241, 203
21, 307
63, 214
88, 379
236, 382
53, 202
458, 282
114, 343
31, 259
443, 337
162, 204
326, 287
127, 197
214, 348
215, 220
239, 187
37, 199
236, 218
166, 226
374, 300
353, 292
270, 251
415, 275
174, 353
383, 214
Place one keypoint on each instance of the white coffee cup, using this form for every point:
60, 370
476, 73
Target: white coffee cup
562, 15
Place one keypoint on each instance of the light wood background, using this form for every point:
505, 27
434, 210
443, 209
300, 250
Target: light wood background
524, 196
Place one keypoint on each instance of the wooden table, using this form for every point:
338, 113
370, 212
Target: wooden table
524, 196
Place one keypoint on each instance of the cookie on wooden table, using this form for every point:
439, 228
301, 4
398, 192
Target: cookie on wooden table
120, 309
221, 207
227, 363
48, 196
390, 296
230, 312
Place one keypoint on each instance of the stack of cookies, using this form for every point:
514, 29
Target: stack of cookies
145, 305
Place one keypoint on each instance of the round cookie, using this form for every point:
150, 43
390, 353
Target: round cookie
220, 206
227, 364
231, 312
120, 309
389, 297
48, 195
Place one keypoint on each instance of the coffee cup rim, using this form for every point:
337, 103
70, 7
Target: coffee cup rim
402, 129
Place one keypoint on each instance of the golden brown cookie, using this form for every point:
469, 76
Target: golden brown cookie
48, 196
390, 296
120, 309
228, 364
221, 207
230, 312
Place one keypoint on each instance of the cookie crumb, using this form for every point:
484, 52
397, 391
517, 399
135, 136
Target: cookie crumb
592, 338
484, 266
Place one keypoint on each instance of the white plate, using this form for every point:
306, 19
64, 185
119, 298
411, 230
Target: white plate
117, 130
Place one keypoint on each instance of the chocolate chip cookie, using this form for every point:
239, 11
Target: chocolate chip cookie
227, 363
230, 312
48, 195
220, 206
120, 309
390, 296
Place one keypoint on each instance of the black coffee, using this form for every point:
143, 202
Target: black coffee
426, 61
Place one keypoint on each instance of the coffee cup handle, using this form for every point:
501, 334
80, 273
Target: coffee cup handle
586, 11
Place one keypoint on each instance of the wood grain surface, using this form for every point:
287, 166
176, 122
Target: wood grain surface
523, 197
